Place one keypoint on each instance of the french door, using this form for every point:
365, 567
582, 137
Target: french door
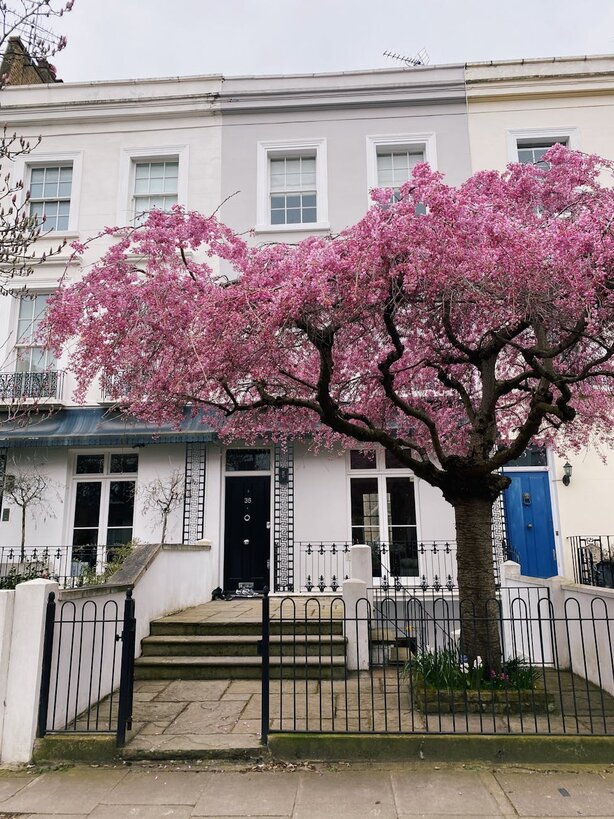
383, 511
104, 492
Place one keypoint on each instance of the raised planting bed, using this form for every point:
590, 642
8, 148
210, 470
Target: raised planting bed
478, 701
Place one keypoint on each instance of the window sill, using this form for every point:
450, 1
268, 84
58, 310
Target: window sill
69, 235
300, 228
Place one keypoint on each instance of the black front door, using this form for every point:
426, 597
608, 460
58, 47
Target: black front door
247, 531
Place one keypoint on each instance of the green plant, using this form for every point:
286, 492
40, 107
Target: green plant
118, 554
23, 572
448, 669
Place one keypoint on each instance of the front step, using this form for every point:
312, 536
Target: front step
230, 668
170, 626
234, 645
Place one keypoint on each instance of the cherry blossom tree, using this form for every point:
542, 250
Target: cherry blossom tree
452, 338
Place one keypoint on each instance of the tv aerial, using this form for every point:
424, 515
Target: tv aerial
421, 58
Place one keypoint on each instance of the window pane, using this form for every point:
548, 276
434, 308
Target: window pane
293, 217
532, 456
117, 537
365, 510
247, 460
309, 200
128, 462
121, 503
87, 504
392, 462
309, 215
400, 502
278, 217
362, 460
90, 464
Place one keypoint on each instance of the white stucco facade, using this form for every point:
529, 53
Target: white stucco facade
536, 102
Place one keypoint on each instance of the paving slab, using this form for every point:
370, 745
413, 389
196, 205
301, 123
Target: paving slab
207, 718
248, 794
146, 811
426, 792
558, 794
154, 711
10, 784
193, 690
170, 746
70, 792
344, 794
153, 787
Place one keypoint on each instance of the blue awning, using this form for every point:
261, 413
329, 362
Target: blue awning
95, 426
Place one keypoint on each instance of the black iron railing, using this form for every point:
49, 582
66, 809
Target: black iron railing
88, 668
22, 386
593, 560
70, 566
322, 566
405, 668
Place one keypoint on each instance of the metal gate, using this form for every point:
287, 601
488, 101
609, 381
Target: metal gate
88, 667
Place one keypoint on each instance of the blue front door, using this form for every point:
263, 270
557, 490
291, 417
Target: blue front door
528, 517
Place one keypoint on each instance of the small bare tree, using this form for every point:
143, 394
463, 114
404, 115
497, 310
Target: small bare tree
162, 496
26, 487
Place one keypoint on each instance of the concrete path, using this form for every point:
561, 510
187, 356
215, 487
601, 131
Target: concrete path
309, 792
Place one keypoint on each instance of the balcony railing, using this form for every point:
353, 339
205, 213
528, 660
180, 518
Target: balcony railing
15, 387
71, 566
322, 566
593, 560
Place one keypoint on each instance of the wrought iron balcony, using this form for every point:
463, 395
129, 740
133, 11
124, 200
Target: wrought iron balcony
593, 560
39, 386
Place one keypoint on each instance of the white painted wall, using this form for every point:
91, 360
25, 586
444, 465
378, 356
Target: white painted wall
7, 604
567, 95
44, 522
158, 461
24, 673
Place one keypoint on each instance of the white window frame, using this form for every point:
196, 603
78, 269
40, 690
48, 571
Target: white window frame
425, 141
279, 148
128, 161
569, 133
380, 472
23, 167
105, 477
16, 345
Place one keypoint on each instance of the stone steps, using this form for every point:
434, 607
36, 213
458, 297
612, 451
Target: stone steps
236, 645
175, 626
187, 646
231, 668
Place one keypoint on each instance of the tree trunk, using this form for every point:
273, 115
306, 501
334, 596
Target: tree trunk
476, 582
164, 521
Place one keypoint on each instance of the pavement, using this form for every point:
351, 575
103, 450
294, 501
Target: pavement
307, 791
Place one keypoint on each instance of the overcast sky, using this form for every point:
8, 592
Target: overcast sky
109, 39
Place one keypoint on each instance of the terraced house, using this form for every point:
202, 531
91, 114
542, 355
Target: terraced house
284, 157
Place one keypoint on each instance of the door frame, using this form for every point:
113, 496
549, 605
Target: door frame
554, 501
380, 473
224, 473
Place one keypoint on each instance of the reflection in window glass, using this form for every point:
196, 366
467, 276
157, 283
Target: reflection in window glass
247, 460
362, 460
90, 464
365, 510
128, 462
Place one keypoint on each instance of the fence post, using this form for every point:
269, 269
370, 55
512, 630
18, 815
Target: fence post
126, 680
356, 627
25, 669
264, 652
43, 703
